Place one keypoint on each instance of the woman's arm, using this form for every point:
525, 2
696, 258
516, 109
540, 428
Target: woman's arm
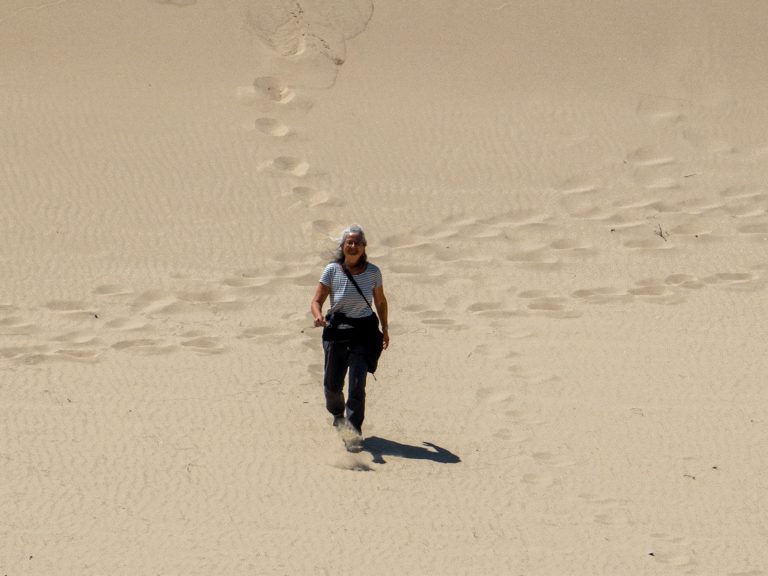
317, 304
381, 309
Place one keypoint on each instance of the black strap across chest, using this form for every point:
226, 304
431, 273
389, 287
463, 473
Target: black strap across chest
352, 278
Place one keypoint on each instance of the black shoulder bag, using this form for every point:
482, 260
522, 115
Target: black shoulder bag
373, 339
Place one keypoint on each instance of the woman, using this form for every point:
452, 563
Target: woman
345, 328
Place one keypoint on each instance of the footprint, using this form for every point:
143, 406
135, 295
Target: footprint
76, 355
610, 512
445, 322
141, 344
320, 227
649, 156
603, 295
158, 301
126, 324
654, 291
685, 281
484, 307
257, 332
289, 104
250, 279
290, 165
24, 354
112, 290
272, 127
436, 318
554, 306
651, 290
548, 304
663, 207
274, 89
304, 193
210, 297
553, 460
615, 517
512, 436
576, 186
494, 395
77, 338
203, 344
677, 279
535, 257
569, 244
743, 281
541, 480
673, 551
414, 308
529, 294
591, 207
662, 109
522, 417
16, 326
311, 197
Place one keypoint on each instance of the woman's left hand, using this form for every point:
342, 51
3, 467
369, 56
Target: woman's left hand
386, 338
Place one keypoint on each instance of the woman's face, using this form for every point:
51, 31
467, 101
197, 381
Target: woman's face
353, 246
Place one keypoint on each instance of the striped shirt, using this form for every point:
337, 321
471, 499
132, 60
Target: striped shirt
344, 296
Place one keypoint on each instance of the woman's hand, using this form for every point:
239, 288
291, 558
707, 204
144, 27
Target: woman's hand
381, 307
321, 293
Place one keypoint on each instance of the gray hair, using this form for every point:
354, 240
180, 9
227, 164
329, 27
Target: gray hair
353, 229
348, 231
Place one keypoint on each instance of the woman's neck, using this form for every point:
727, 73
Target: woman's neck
355, 264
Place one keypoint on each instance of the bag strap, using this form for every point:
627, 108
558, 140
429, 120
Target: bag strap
349, 275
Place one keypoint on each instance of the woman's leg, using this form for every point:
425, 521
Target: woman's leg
336, 354
358, 370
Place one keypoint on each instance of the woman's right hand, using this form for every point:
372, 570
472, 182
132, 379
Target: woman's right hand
320, 321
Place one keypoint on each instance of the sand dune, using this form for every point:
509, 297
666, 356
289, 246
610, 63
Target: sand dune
569, 206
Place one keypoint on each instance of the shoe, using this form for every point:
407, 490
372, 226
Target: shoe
339, 421
354, 443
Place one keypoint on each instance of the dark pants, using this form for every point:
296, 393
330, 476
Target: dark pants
340, 356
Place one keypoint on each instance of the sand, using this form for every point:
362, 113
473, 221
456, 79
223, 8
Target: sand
568, 202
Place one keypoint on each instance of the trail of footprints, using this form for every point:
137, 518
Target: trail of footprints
306, 46
307, 49
521, 239
701, 218
654, 186
203, 317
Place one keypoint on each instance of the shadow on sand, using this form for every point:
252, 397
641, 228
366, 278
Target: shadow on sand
380, 447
